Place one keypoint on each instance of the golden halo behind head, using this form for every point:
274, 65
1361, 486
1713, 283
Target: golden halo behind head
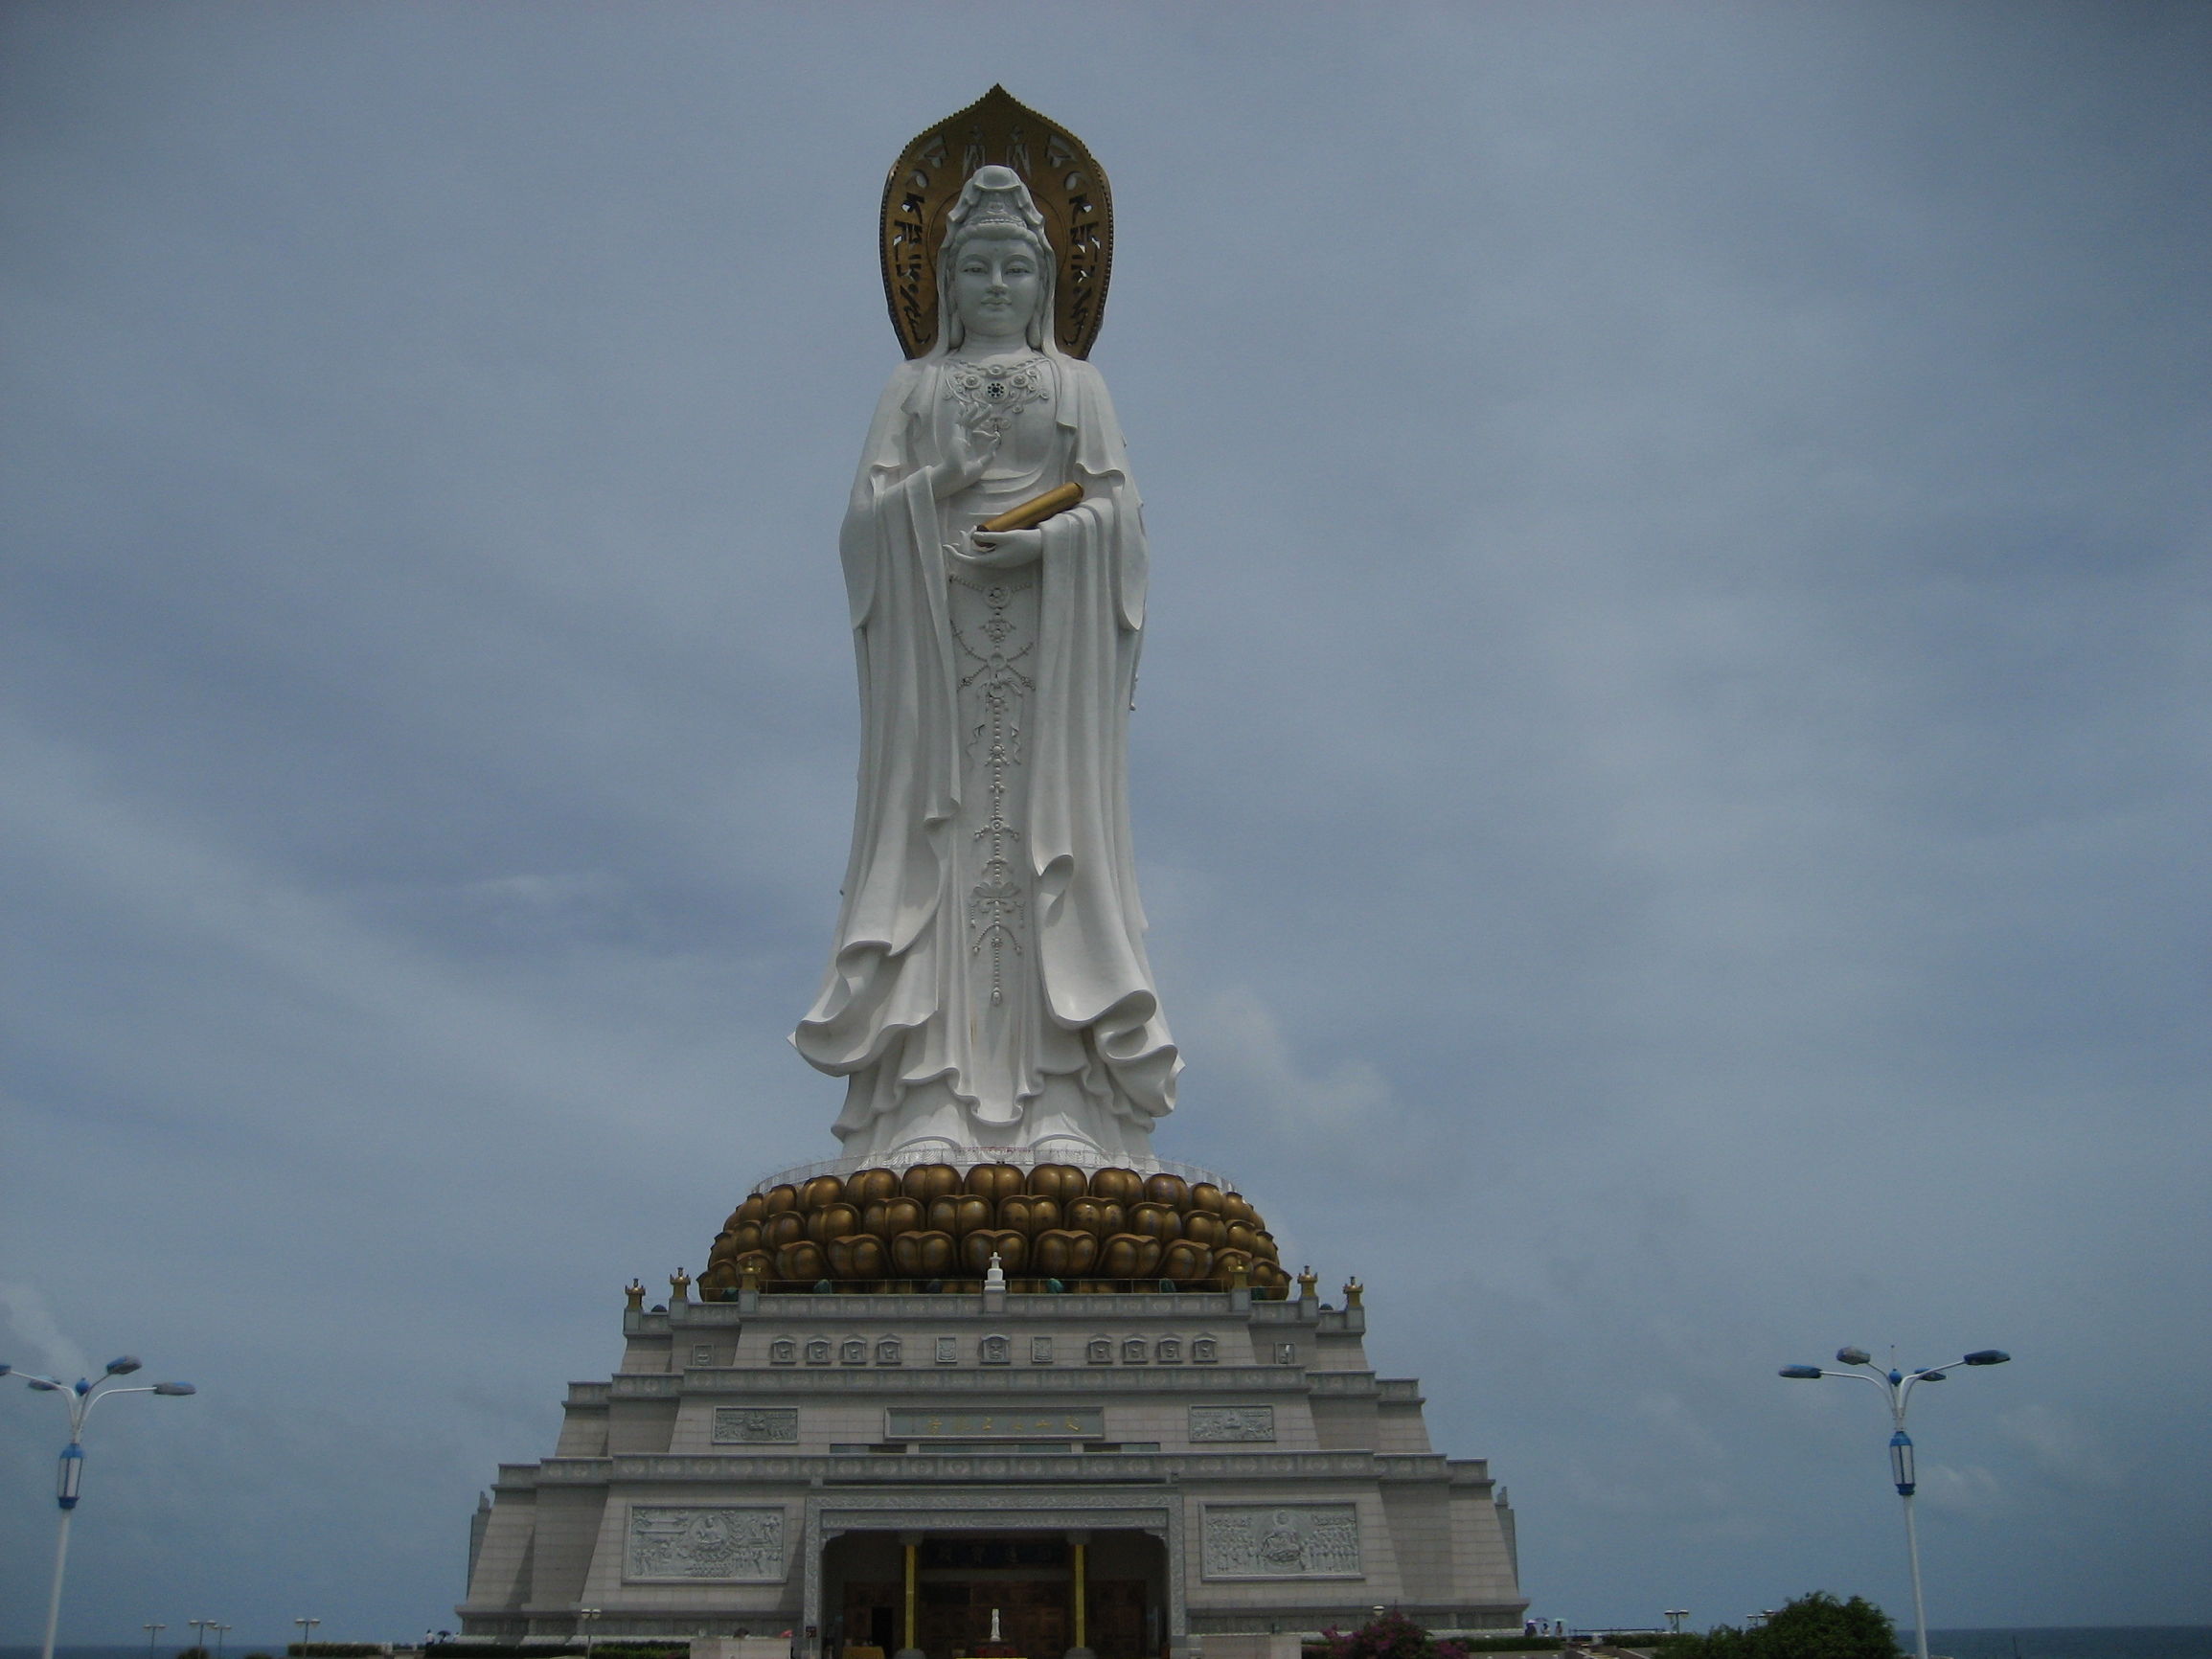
1068, 187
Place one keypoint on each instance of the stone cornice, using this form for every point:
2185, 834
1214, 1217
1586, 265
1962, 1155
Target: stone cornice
1213, 1306
1081, 1469
756, 1381
1342, 1384
1096, 1468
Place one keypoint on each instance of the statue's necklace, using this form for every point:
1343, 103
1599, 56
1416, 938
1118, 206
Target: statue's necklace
993, 393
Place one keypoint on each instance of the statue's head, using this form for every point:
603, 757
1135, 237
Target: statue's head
995, 270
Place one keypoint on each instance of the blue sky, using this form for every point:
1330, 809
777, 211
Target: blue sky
1669, 780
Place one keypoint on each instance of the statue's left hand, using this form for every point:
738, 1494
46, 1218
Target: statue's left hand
1006, 548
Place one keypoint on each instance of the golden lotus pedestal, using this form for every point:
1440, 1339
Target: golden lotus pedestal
941, 1228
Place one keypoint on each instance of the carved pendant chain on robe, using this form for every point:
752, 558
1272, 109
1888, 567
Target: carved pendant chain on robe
996, 905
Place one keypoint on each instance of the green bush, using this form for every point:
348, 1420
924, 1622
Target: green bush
1815, 1626
333, 1650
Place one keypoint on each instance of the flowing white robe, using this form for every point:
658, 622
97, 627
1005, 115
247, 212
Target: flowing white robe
990, 985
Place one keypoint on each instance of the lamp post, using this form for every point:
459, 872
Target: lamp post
199, 1630
151, 1632
1675, 1618
1897, 1387
307, 1630
81, 1397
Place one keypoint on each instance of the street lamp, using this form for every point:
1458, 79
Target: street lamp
1897, 1387
81, 1397
152, 1631
1675, 1618
199, 1630
587, 1617
307, 1630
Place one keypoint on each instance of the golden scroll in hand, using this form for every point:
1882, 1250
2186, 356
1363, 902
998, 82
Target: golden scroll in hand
1037, 510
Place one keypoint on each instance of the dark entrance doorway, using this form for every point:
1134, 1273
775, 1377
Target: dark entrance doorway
1028, 1578
1033, 1618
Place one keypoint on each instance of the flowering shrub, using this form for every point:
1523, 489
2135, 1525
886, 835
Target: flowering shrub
1392, 1636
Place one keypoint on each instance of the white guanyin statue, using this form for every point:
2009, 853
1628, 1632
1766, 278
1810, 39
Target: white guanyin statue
990, 986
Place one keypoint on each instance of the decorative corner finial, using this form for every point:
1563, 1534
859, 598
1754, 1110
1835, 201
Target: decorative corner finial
1239, 1274
1308, 1285
995, 1278
1353, 1291
748, 1274
633, 1295
680, 1286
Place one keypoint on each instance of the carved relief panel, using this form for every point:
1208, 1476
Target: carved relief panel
752, 1425
687, 1544
1232, 1423
1259, 1541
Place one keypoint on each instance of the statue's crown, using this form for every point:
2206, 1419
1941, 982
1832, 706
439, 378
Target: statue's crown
995, 198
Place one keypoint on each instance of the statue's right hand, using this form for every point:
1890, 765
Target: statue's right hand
965, 457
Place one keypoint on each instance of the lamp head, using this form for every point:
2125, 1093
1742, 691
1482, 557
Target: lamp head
42, 1385
174, 1388
1901, 1463
1989, 1356
122, 1366
1853, 1356
1932, 1377
1807, 1372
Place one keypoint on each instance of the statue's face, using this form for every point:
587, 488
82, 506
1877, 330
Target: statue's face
995, 285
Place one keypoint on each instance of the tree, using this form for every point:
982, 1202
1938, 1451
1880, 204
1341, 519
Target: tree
1814, 1626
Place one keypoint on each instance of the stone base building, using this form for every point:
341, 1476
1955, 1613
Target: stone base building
1115, 1471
